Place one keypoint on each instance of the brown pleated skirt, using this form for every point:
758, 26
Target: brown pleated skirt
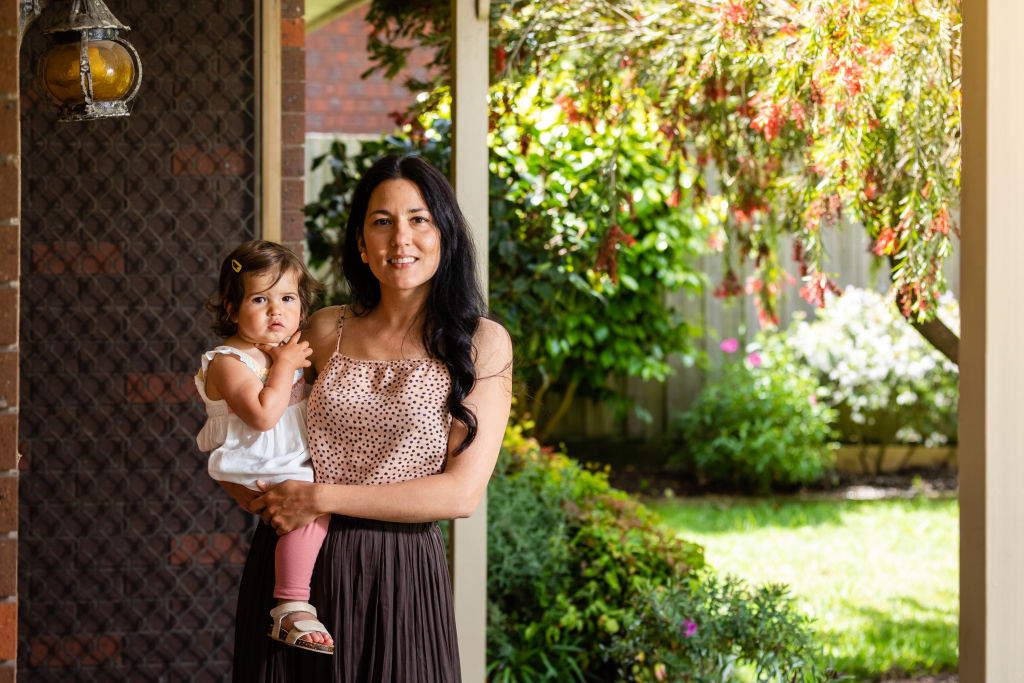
383, 591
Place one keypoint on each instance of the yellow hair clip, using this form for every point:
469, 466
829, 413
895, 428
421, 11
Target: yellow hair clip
236, 266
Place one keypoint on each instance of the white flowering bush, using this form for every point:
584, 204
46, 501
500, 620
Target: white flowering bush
886, 382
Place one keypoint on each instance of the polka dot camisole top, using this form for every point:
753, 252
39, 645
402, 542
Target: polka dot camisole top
378, 421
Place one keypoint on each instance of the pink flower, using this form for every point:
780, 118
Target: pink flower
729, 345
690, 629
754, 359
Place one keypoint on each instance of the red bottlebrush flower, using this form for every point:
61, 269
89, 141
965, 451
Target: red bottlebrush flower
814, 291
835, 202
853, 78
729, 287
499, 59
569, 108
870, 189
673, 199
769, 118
733, 12
766, 314
800, 257
886, 242
608, 254
941, 222
752, 285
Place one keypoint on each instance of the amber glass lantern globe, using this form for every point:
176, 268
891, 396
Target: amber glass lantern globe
92, 72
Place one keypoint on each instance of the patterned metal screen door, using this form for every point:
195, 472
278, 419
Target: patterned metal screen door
129, 554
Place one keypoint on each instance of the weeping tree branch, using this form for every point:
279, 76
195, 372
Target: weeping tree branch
941, 337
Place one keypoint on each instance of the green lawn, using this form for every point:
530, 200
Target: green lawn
879, 578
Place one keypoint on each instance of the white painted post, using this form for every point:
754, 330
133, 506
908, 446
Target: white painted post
992, 366
469, 176
268, 51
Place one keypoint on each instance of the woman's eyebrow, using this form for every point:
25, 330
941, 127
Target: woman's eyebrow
385, 212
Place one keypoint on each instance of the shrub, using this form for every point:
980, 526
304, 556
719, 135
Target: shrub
707, 629
573, 566
758, 424
886, 382
567, 555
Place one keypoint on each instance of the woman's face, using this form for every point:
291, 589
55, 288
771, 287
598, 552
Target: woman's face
400, 241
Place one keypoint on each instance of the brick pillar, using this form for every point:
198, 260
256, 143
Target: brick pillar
10, 229
293, 122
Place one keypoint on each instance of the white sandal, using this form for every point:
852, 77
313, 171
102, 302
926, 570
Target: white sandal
299, 628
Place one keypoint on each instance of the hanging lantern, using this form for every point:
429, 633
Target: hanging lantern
93, 72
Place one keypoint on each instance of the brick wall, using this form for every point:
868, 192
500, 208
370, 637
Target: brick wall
337, 100
10, 192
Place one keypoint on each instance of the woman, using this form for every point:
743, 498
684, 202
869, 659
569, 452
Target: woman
405, 422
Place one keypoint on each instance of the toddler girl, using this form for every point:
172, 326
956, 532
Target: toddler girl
255, 398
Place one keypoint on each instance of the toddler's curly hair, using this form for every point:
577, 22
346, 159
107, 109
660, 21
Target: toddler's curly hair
257, 256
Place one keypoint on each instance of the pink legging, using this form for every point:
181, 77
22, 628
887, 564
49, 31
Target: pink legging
294, 559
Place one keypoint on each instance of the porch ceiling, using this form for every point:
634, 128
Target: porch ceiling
320, 12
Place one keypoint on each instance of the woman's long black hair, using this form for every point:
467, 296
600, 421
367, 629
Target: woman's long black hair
455, 303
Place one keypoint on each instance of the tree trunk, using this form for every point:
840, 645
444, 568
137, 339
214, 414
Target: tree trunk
941, 337
934, 331
563, 406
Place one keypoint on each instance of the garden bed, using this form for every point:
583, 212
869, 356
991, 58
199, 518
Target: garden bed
882, 458
657, 481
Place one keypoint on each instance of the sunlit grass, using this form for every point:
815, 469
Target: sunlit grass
879, 578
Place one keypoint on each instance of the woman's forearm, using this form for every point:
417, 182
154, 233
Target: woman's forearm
425, 499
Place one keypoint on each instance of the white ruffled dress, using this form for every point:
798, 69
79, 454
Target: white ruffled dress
241, 454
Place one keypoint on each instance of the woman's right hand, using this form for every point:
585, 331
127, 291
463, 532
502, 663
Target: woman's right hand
287, 506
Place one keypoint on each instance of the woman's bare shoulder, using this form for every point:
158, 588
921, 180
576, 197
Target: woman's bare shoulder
493, 348
323, 326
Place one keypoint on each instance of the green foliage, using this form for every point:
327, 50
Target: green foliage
578, 265
758, 424
886, 382
567, 556
717, 630
590, 231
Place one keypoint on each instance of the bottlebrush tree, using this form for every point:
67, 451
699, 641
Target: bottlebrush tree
795, 115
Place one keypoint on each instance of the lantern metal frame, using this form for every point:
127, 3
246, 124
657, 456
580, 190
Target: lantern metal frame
93, 21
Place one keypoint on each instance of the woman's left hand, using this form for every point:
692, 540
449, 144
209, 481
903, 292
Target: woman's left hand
286, 506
